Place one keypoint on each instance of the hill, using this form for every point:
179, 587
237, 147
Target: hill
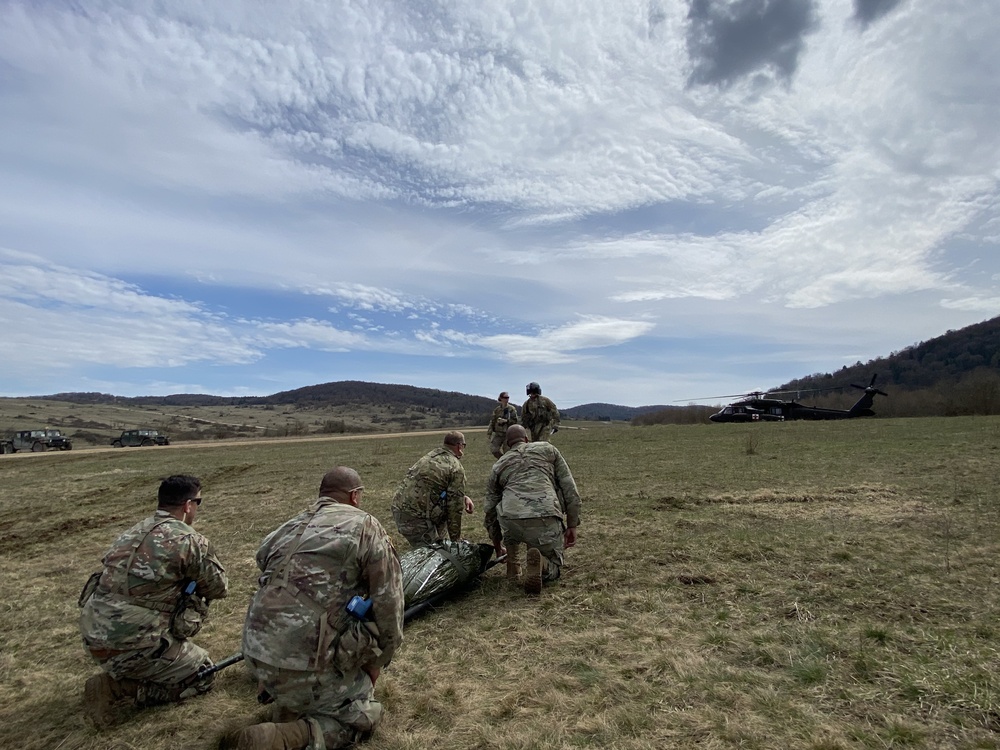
340, 393
606, 412
941, 361
957, 373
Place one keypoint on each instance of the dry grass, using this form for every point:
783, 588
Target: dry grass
836, 588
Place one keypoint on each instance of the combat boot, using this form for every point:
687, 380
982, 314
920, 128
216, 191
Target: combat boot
291, 735
100, 693
533, 574
513, 562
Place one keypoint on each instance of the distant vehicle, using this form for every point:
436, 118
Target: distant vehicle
6, 446
761, 407
38, 441
142, 438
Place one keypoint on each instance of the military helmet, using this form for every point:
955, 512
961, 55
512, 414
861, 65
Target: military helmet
533, 388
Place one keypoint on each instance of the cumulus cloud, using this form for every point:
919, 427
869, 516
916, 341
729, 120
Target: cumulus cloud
565, 343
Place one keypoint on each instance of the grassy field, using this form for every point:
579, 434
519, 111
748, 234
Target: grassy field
797, 585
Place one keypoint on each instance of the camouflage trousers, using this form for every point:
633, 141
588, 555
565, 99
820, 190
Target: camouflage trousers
498, 445
544, 534
418, 530
340, 709
541, 434
162, 671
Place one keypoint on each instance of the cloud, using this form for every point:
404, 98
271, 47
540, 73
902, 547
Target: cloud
62, 318
308, 333
565, 344
259, 190
729, 41
867, 12
989, 306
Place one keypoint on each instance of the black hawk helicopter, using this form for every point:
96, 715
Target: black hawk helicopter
763, 407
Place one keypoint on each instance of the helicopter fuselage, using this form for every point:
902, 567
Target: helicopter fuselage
776, 410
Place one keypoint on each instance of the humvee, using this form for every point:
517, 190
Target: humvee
40, 440
142, 438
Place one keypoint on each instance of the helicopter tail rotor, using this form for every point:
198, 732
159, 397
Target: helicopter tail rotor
870, 388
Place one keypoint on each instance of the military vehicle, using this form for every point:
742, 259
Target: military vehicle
761, 407
6, 446
37, 441
141, 438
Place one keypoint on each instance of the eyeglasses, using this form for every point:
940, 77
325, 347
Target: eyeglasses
195, 500
356, 489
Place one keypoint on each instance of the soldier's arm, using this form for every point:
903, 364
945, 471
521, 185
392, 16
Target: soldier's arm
381, 572
207, 571
553, 415
570, 494
490, 505
456, 502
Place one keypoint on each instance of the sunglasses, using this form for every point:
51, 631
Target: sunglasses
195, 500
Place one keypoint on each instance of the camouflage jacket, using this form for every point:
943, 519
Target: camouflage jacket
311, 567
503, 417
537, 414
526, 482
419, 494
144, 572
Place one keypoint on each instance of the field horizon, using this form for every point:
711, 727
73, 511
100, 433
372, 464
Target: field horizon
806, 585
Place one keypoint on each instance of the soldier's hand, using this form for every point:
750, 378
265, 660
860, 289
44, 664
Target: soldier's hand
569, 538
469, 507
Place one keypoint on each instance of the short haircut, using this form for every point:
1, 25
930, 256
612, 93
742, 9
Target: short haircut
454, 438
339, 479
177, 489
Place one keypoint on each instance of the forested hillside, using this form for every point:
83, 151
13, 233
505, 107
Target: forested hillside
957, 373
941, 361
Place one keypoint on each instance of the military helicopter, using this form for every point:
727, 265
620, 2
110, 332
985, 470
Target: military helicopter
763, 407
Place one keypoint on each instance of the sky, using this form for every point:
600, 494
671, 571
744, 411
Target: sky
631, 202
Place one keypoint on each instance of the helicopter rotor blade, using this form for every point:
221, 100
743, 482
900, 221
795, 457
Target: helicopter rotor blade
715, 398
757, 394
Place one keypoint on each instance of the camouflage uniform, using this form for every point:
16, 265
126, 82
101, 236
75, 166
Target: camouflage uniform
299, 641
503, 417
529, 491
421, 514
125, 623
539, 416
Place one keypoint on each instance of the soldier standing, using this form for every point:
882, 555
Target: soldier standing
428, 503
539, 415
317, 661
531, 499
503, 417
150, 597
